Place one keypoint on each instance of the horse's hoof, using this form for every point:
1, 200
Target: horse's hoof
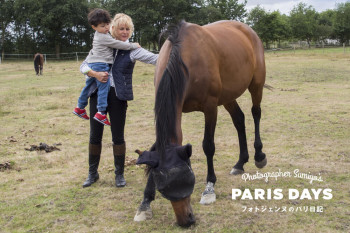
143, 215
261, 164
236, 171
208, 199
208, 196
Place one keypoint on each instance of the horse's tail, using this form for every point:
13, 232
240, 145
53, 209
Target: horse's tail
170, 92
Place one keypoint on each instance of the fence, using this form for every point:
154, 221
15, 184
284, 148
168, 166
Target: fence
82, 55
47, 57
313, 49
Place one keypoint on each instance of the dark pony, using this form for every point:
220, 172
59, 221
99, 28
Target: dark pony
38, 63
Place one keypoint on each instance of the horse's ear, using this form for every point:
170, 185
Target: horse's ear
138, 152
153, 147
149, 158
185, 152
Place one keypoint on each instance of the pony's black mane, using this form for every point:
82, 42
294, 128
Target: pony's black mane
170, 91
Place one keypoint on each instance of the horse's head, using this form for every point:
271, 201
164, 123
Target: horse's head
174, 178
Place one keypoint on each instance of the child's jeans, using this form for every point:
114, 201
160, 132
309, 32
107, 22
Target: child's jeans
103, 88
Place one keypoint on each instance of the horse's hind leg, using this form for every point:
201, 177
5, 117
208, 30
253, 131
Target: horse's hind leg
41, 69
256, 93
238, 120
144, 212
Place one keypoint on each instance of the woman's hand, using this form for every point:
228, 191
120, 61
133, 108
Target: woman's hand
100, 76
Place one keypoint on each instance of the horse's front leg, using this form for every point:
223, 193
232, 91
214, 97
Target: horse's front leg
36, 69
208, 196
144, 212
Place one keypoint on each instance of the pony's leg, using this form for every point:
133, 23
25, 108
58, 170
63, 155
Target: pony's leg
208, 196
238, 120
144, 212
36, 67
256, 93
41, 69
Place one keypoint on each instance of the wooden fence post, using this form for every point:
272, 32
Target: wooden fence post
323, 46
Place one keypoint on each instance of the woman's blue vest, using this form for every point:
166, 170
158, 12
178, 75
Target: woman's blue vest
122, 70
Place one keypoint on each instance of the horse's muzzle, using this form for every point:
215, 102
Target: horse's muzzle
183, 212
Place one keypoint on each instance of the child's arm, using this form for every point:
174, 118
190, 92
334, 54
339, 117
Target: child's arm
109, 41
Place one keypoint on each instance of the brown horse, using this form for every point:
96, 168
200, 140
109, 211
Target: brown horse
198, 69
38, 63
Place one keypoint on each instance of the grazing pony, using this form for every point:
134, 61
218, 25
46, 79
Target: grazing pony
200, 68
38, 63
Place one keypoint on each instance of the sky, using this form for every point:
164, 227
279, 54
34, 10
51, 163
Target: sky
286, 6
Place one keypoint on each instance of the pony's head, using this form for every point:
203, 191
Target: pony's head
174, 178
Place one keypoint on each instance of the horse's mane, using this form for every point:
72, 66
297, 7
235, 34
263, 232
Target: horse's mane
170, 91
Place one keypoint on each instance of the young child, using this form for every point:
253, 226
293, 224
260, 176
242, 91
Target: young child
100, 58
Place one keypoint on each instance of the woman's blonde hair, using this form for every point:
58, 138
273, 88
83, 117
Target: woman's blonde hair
121, 19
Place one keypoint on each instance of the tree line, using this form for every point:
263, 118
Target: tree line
58, 26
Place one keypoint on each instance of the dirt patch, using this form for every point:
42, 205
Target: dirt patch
292, 89
44, 147
6, 166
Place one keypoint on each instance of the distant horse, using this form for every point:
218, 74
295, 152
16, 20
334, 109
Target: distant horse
38, 63
198, 69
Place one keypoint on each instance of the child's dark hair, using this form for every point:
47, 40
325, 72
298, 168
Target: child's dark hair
98, 16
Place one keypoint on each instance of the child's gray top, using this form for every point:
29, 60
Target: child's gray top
102, 48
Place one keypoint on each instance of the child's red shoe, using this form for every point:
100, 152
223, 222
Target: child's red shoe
102, 119
81, 113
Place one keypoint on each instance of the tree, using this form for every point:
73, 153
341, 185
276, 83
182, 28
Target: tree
61, 25
324, 28
53, 23
207, 14
342, 22
6, 17
284, 30
230, 9
151, 17
303, 22
255, 16
214, 10
270, 27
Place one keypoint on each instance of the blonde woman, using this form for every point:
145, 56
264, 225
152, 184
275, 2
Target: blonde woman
120, 78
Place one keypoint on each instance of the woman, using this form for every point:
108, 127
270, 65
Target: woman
120, 92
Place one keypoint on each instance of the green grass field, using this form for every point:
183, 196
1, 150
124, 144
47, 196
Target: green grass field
305, 125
